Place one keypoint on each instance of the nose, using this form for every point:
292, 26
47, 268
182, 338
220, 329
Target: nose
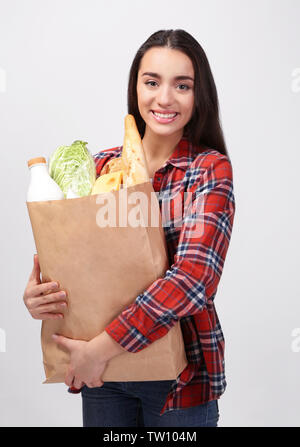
165, 96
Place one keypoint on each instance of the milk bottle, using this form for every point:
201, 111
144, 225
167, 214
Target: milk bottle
42, 186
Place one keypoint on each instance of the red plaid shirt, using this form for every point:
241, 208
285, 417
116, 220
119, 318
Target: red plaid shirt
188, 289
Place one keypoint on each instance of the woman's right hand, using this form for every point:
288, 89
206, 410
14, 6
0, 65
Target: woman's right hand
43, 300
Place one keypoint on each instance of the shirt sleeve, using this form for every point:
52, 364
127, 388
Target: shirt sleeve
193, 278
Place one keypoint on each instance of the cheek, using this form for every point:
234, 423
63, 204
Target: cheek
144, 95
145, 98
189, 105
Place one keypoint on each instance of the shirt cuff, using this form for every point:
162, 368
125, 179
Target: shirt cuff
129, 329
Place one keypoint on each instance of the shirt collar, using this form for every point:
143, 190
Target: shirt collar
183, 155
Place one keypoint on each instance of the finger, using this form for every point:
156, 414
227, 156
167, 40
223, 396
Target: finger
64, 342
48, 316
77, 383
50, 298
47, 308
53, 304
69, 379
36, 271
98, 384
44, 288
51, 309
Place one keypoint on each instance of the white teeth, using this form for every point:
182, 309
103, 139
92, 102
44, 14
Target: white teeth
161, 115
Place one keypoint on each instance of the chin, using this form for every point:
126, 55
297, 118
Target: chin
165, 131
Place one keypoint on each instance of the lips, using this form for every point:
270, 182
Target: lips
165, 112
165, 120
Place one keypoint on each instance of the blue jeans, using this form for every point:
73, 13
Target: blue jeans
138, 404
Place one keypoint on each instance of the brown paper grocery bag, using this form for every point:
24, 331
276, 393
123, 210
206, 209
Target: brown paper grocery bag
103, 269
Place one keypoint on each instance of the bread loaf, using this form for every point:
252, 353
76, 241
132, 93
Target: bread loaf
131, 168
135, 168
114, 165
108, 182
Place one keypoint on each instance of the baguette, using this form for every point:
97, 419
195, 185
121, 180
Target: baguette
135, 169
129, 169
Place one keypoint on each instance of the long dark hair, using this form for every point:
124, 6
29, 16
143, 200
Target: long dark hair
204, 128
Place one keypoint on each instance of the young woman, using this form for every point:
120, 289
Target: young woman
173, 98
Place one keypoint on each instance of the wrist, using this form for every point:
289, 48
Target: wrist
105, 347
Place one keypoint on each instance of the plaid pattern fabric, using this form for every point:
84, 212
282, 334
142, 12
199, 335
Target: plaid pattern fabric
196, 260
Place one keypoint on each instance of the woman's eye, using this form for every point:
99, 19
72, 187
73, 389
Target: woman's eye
150, 82
186, 87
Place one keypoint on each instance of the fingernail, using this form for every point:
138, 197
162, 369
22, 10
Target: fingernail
54, 336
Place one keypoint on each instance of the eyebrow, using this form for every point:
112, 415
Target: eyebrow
177, 78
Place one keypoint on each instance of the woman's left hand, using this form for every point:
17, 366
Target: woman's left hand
86, 366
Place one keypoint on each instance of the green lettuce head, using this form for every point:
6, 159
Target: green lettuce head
73, 167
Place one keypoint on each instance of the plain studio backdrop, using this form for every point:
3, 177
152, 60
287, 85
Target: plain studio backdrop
64, 67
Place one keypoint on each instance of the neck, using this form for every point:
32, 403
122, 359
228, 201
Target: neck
160, 147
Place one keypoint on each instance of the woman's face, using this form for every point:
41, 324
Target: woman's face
164, 85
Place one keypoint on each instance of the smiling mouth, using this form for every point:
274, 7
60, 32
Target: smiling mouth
164, 115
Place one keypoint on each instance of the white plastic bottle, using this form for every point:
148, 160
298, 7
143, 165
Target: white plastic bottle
42, 186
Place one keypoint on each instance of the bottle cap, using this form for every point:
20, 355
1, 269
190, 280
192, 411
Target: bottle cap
34, 161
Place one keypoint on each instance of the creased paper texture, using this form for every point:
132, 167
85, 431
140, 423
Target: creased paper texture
103, 270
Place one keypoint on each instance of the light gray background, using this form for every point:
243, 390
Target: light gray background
64, 68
